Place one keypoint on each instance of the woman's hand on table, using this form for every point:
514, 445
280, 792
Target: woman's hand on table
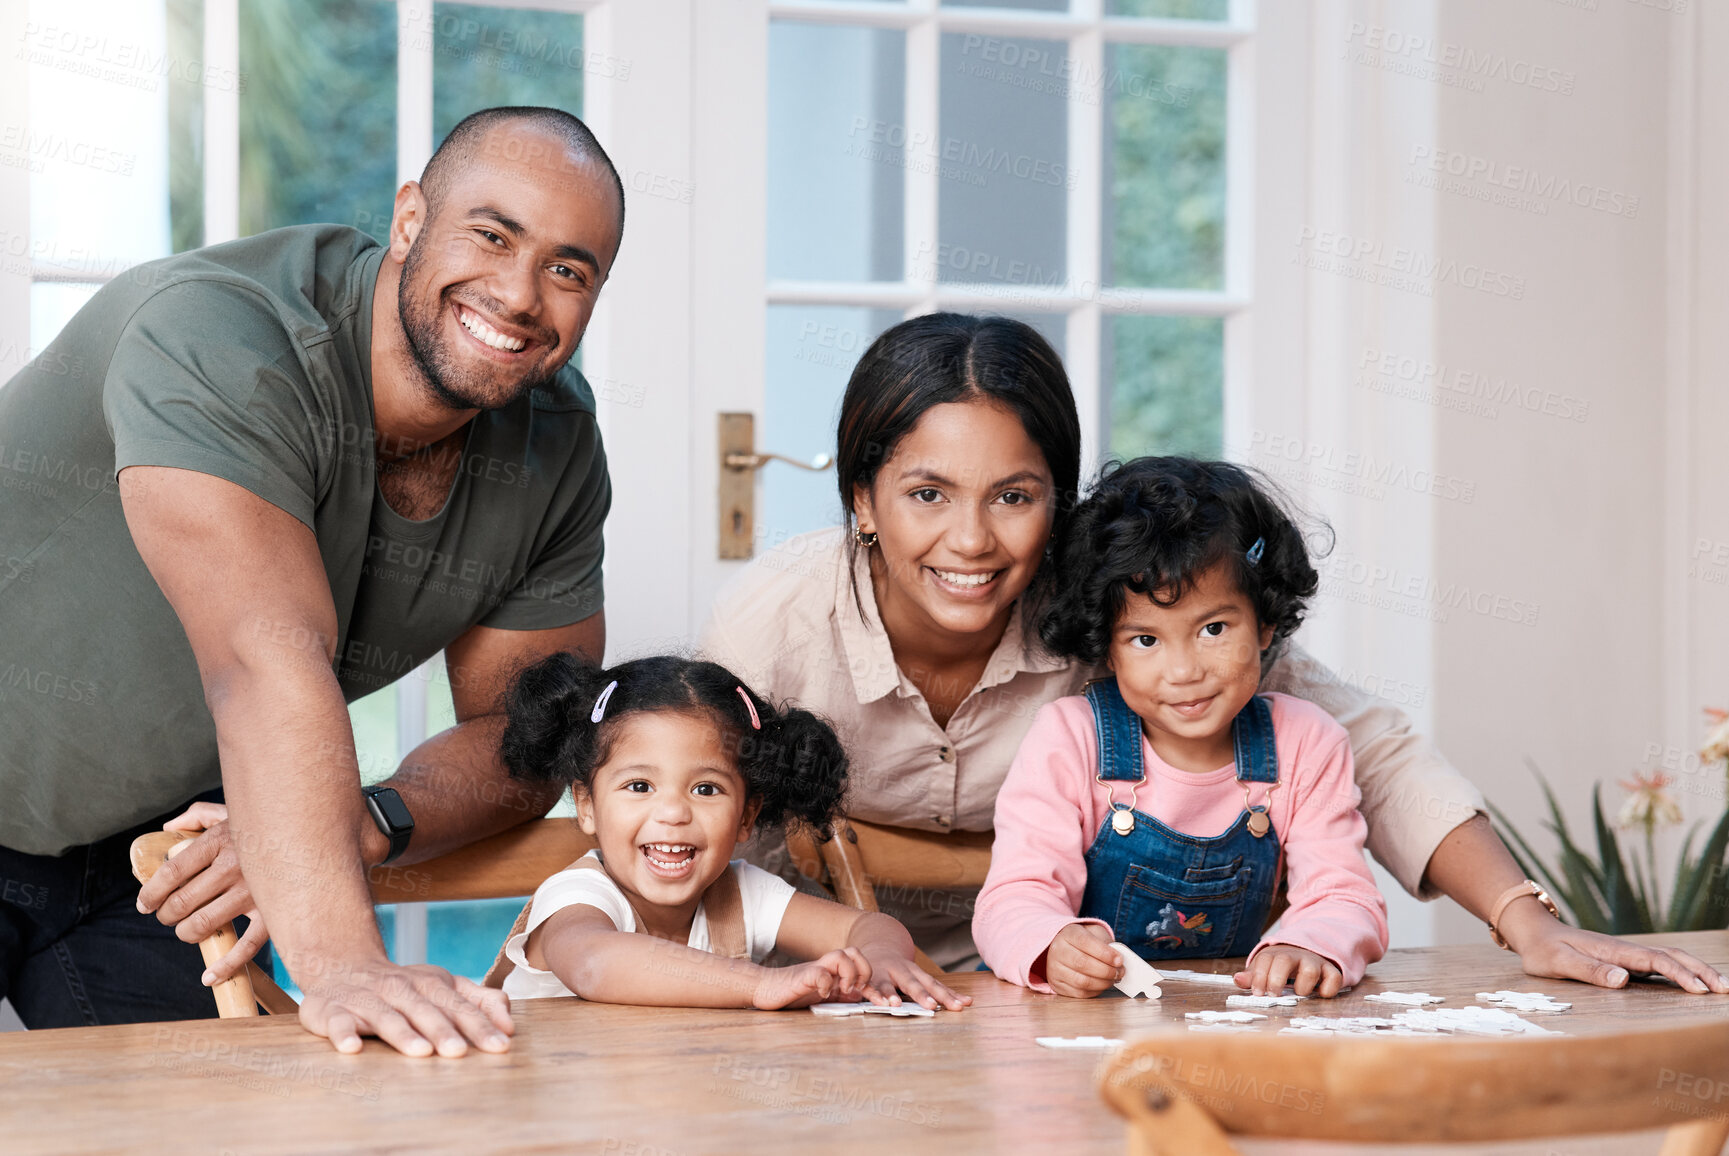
1080, 962
1280, 963
201, 889
1551, 949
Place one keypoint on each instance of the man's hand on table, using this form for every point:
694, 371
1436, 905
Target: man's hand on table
1551, 949
417, 1009
201, 889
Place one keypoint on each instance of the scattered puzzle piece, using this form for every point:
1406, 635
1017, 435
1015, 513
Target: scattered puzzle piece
1407, 998
866, 1008
1263, 1000
1078, 1042
1529, 1001
1139, 976
1224, 1017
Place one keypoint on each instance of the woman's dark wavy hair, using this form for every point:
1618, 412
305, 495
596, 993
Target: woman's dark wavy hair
945, 357
795, 765
1153, 525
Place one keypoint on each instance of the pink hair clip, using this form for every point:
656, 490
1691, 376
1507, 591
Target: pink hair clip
755, 722
599, 711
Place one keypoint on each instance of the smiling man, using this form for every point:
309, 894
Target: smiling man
247, 485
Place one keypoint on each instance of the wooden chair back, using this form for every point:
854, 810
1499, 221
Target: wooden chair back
1182, 1093
503, 866
860, 857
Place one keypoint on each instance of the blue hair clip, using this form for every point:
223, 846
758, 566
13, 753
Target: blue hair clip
1255, 551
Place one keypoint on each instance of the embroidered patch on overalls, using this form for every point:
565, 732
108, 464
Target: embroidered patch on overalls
1174, 929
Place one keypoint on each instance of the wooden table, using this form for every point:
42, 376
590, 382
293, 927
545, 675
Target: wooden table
666, 1082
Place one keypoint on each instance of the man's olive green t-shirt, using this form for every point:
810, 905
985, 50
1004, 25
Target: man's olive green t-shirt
248, 361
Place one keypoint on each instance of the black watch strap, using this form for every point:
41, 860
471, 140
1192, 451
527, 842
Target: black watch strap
391, 815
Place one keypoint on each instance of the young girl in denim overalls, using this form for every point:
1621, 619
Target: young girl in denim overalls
1161, 808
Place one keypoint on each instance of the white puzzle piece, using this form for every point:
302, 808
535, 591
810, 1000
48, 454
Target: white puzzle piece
1405, 998
1527, 1001
1263, 1000
1211, 978
864, 1008
1431, 1022
1139, 976
1224, 1017
1077, 1042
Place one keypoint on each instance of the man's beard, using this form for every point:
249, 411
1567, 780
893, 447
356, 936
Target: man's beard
451, 384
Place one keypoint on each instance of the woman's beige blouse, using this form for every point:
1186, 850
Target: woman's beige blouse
790, 626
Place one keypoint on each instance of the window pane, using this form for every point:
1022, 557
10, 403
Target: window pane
836, 152
374, 719
464, 938
1003, 202
811, 350
1166, 392
318, 114
483, 57
1038, 5
1174, 9
1164, 154
186, 125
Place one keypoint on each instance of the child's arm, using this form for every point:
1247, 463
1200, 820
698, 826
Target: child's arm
1025, 923
812, 926
1337, 916
590, 956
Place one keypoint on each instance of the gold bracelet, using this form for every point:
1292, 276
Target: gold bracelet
1528, 887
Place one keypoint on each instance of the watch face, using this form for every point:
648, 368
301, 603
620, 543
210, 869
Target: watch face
394, 811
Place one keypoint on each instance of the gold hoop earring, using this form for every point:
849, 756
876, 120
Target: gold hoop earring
864, 539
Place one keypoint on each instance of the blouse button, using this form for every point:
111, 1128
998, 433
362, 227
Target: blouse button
946, 754
940, 820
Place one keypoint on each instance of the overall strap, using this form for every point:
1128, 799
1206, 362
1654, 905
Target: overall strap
1252, 732
1119, 731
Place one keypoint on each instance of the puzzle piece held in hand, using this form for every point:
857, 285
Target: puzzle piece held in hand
1078, 1042
1139, 976
866, 1008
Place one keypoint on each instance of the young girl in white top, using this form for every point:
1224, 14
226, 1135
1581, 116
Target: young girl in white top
672, 764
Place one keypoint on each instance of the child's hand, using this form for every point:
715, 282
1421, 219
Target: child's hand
899, 974
1280, 962
842, 976
1080, 962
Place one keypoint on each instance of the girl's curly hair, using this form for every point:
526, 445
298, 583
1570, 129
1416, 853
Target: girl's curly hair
1153, 525
795, 764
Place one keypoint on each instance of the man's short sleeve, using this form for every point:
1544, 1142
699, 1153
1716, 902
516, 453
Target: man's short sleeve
563, 584
206, 378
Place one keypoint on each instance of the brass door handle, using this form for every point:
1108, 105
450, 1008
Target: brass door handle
757, 461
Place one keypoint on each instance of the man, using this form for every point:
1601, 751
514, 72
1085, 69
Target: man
254, 481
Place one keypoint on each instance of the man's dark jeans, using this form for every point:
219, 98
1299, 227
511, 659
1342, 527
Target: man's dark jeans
74, 950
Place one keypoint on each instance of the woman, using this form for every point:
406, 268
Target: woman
909, 628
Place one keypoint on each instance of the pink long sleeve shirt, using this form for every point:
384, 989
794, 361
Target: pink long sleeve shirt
1051, 807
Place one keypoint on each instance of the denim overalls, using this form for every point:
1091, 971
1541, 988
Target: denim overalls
1165, 894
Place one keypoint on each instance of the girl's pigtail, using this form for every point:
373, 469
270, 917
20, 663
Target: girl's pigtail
548, 734
797, 767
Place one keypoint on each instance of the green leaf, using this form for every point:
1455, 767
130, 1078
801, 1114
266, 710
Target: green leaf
1691, 909
1559, 826
1624, 915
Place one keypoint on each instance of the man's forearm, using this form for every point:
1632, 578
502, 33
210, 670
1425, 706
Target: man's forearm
294, 814
459, 791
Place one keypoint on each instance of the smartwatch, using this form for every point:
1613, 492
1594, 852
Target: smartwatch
391, 814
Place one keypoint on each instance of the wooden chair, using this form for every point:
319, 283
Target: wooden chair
861, 857
504, 866
1182, 1093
